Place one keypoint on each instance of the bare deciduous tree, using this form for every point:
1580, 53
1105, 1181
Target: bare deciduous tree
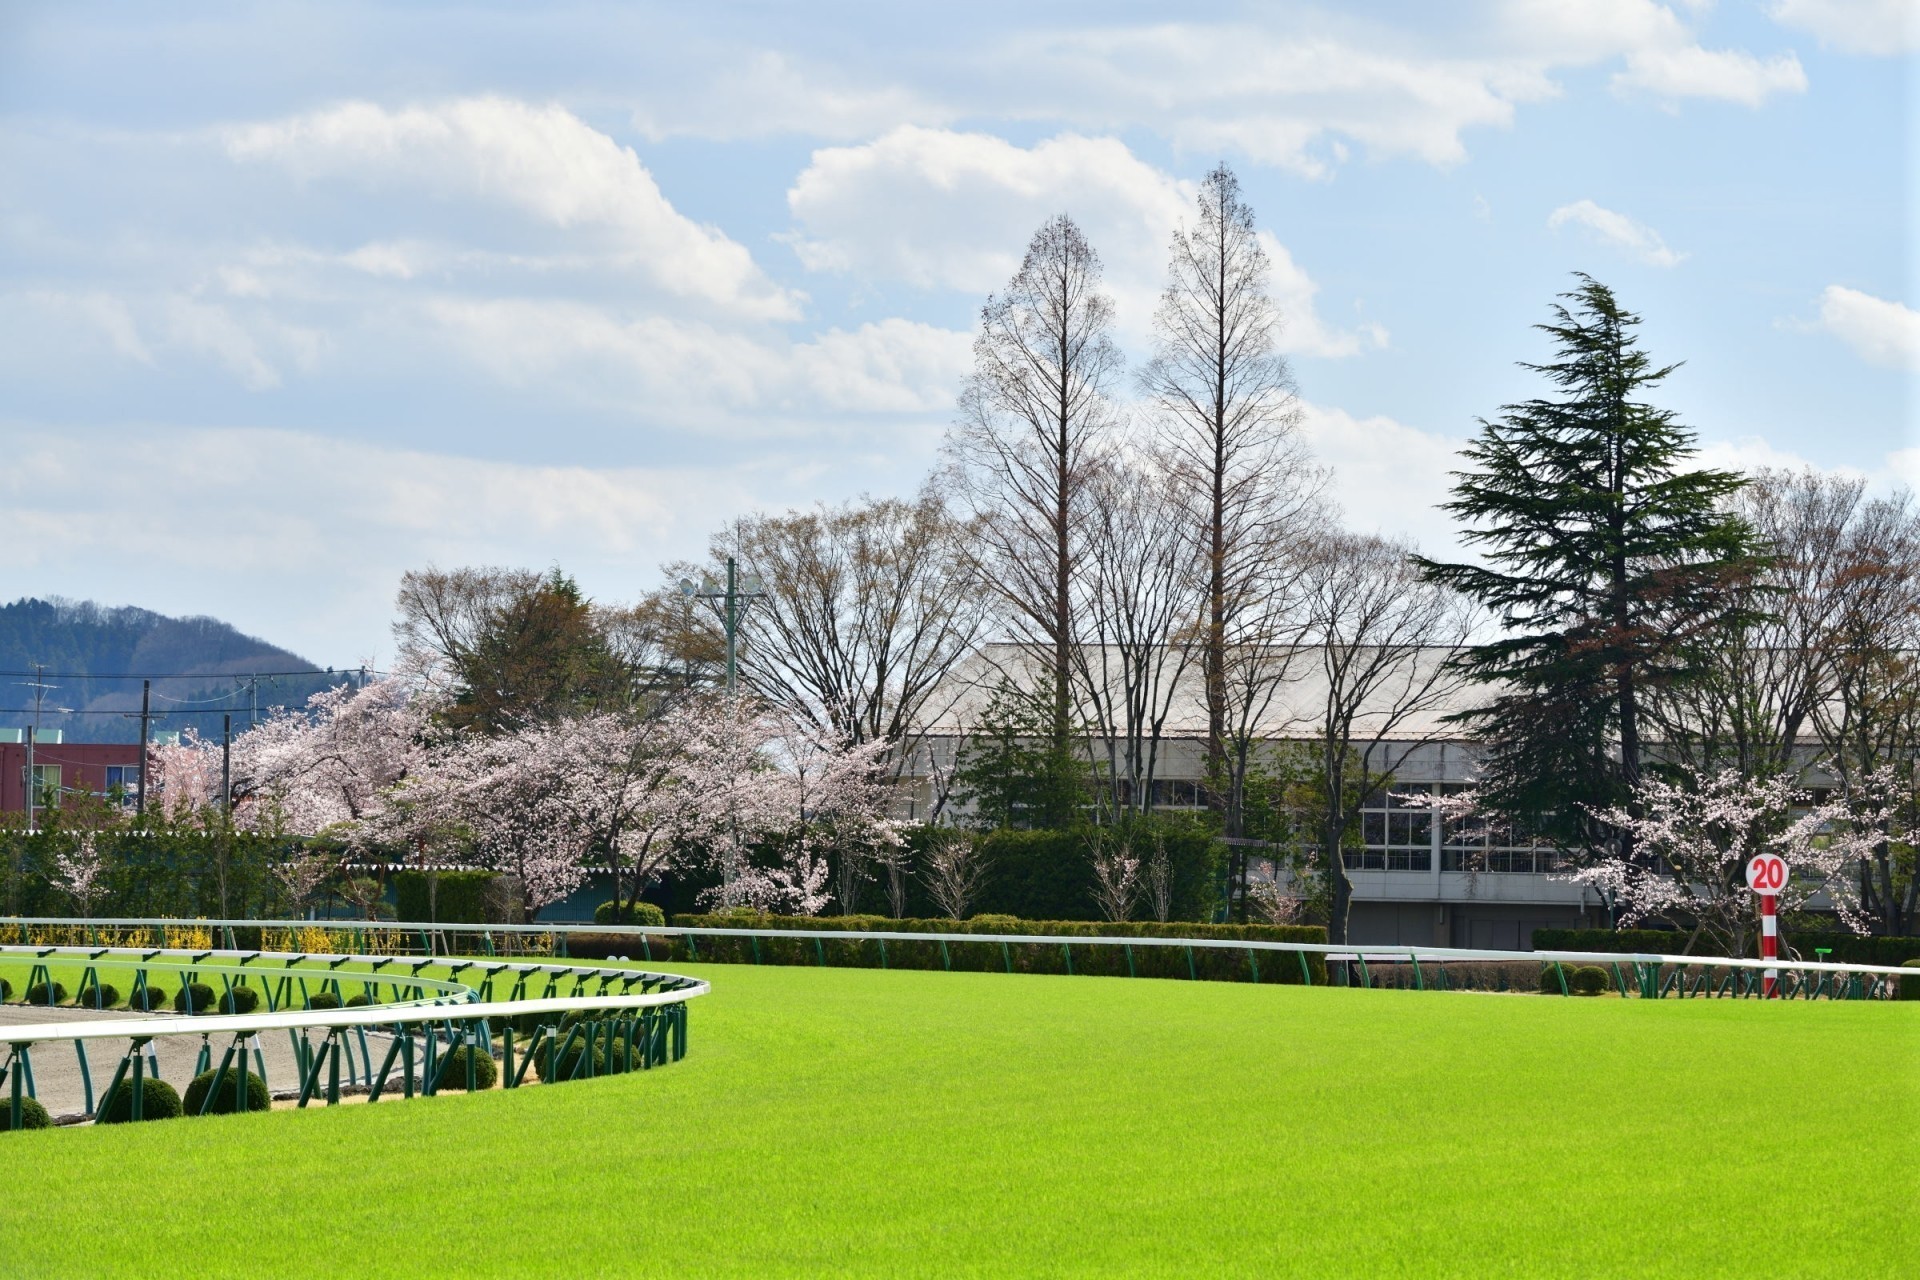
1160, 881
1383, 635
867, 611
1033, 417
1116, 876
1139, 598
1229, 419
955, 871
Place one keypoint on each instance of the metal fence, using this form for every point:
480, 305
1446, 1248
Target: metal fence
638, 1017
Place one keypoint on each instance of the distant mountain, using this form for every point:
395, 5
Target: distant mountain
93, 656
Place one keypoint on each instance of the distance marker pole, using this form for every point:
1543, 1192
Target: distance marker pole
1769, 943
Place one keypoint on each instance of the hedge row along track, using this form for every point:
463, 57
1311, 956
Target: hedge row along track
639, 1015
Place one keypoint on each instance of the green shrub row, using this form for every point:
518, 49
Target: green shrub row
1910, 987
641, 913
1848, 948
1211, 963
444, 897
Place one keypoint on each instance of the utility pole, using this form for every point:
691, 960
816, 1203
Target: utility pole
226, 764
146, 715
734, 597
33, 736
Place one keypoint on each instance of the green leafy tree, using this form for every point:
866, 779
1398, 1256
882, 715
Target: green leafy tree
517, 648
1015, 773
1609, 565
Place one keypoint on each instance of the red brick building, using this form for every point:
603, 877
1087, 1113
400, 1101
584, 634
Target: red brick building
69, 767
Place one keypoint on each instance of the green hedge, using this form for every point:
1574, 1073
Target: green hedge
460, 898
642, 913
1048, 875
1910, 987
1217, 964
1848, 948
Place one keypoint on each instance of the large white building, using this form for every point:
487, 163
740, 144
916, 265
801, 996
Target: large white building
1413, 881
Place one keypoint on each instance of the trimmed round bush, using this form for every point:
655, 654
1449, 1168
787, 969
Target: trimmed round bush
203, 998
38, 993
239, 1000
569, 1063
485, 1069
323, 1000
360, 1001
108, 996
221, 1084
158, 1101
642, 913
1910, 983
1550, 975
1588, 980
6, 989
154, 1000
32, 1114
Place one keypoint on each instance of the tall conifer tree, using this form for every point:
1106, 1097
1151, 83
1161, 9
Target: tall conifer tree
1608, 566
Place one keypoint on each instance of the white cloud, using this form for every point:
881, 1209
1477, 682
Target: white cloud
696, 373
1301, 87
1728, 75
1388, 477
1884, 27
313, 533
772, 93
940, 209
541, 160
101, 314
1618, 231
1879, 331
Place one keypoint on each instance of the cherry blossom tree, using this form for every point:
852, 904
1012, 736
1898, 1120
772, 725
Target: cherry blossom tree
837, 801
81, 869
1692, 843
185, 776
332, 763
955, 871
1116, 877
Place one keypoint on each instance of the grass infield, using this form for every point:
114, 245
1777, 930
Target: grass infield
912, 1123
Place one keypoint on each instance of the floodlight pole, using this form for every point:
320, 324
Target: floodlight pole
733, 624
731, 598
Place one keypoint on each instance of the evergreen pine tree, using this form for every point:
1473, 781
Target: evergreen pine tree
1608, 566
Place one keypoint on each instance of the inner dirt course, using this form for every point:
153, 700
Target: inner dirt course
915, 1123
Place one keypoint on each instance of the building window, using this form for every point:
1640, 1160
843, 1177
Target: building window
46, 785
123, 779
1396, 830
1473, 844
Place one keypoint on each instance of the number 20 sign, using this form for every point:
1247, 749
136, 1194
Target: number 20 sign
1767, 873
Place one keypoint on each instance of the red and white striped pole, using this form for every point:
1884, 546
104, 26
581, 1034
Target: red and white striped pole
1769, 943
1767, 876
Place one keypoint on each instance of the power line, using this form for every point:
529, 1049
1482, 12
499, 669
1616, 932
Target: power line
197, 675
127, 715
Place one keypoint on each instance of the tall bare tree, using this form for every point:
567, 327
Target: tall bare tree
1230, 419
1383, 636
1870, 725
1033, 416
1769, 670
1139, 597
868, 609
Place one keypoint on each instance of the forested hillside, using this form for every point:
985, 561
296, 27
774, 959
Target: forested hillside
93, 656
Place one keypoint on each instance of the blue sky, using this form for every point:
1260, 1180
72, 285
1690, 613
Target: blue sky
295, 297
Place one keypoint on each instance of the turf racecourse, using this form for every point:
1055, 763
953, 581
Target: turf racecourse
913, 1123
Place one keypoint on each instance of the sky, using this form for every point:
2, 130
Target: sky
296, 297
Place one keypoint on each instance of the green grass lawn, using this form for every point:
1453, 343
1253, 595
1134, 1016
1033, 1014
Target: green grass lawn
912, 1123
